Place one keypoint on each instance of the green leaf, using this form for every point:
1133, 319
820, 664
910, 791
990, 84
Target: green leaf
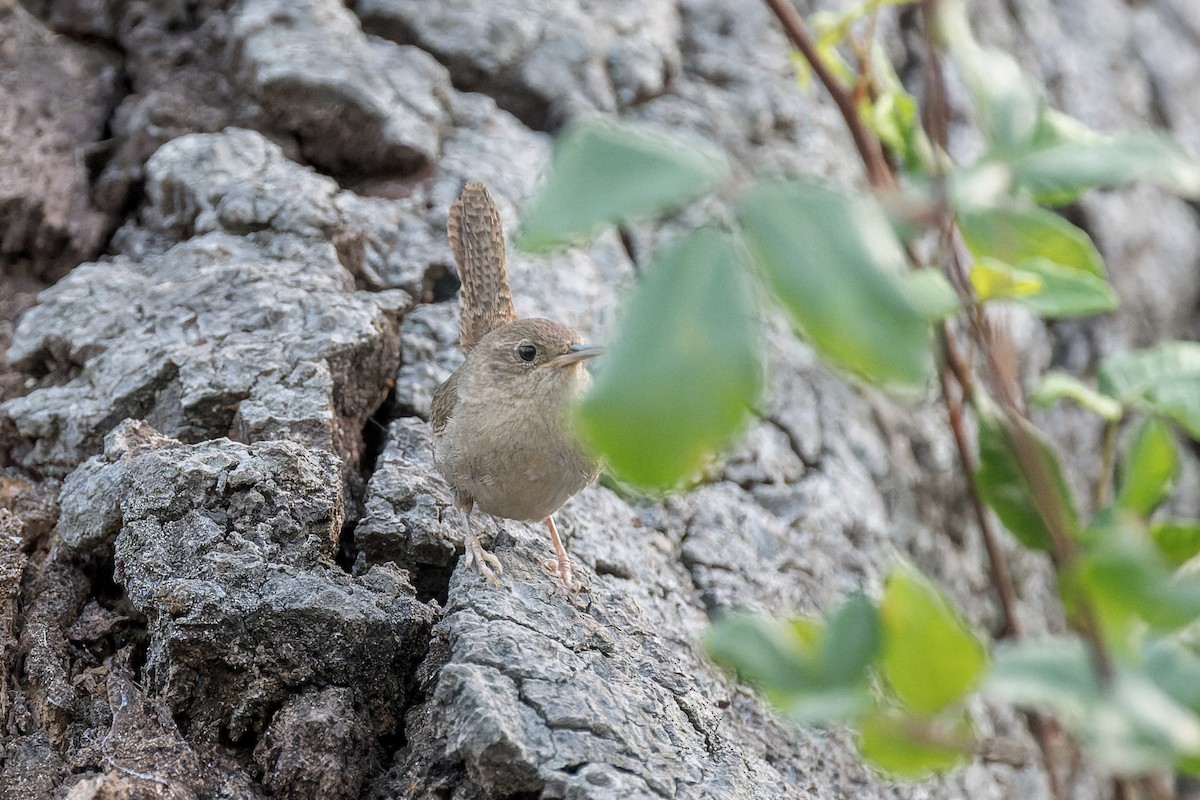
910, 746
1067, 292
1018, 235
833, 261
1055, 673
995, 280
1132, 727
930, 658
1003, 486
852, 639
604, 172
1177, 539
811, 675
930, 293
1008, 103
1126, 579
1166, 378
684, 367
1055, 386
1174, 667
1059, 173
763, 652
1128, 376
1148, 469
1178, 399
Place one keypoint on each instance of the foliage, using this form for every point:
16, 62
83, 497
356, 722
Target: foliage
683, 374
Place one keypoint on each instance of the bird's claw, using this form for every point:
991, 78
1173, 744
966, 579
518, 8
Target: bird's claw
483, 561
561, 568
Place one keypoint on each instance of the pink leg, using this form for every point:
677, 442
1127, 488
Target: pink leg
561, 564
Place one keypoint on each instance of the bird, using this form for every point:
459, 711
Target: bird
502, 429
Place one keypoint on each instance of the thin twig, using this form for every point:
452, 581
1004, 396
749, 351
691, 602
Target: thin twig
879, 174
997, 564
1108, 455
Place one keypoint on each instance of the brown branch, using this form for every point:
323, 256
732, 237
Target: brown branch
997, 563
879, 174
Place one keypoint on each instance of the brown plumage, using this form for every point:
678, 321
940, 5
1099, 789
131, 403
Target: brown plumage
501, 426
477, 241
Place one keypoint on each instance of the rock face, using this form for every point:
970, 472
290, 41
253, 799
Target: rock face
227, 567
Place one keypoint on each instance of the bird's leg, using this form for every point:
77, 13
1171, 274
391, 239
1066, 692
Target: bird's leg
479, 558
560, 565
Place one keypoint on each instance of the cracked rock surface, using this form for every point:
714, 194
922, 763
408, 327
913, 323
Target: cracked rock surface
228, 567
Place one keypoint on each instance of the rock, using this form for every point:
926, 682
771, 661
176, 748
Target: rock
310, 66
257, 337
217, 618
544, 61
54, 103
315, 747
228, 550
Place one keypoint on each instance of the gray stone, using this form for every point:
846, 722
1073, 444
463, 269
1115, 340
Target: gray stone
316, 746
257, 336
227, 549
543, 61
242, 298
54, 101
310, 66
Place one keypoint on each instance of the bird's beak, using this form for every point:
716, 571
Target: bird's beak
577, 353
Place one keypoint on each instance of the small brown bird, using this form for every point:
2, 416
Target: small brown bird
501, 426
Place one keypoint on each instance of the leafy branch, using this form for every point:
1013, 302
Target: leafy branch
683, 373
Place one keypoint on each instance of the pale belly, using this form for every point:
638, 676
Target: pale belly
517, 481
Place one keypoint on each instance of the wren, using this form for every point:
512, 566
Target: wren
502, 429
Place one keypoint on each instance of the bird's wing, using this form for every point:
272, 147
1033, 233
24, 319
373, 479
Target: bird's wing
444, 400
477, 241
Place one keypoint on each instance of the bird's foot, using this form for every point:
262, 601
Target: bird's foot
482, 560
560, 567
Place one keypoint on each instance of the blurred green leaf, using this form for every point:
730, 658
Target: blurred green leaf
894, 115
995, 280
1166, 378
1051, 290
1067, 292
910, 746
812, 674
1174, 667
1018, 235
1131, 727
1059, 173
852, 639
1177, 539
833, 261
1005, 489
1037, 258
684, 368
1126, 579
1055, 386
1128, 376
930, 658
986, 184
604, 172
1148, 469
1008, 104
1052, 673
1178, 399
930, 293
763, 652
1141, 728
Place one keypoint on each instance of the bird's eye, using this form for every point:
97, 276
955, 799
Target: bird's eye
526, 352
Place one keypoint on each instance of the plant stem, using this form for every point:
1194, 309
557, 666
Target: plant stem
1108, 455
997, 564
879, 174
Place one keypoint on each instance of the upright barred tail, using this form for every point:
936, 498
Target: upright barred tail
477, 241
